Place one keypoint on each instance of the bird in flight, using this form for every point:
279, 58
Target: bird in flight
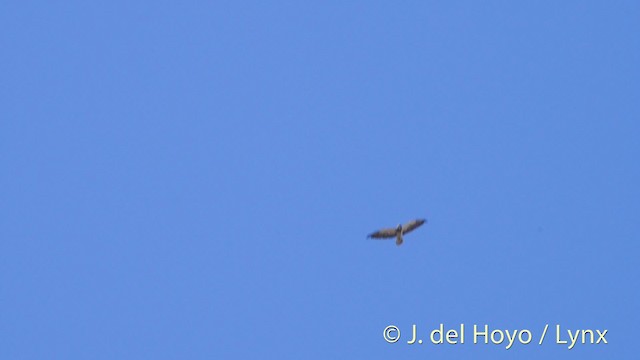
398, 231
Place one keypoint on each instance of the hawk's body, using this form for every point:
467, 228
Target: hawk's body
398, 231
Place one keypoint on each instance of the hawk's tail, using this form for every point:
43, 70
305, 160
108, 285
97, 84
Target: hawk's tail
399, 239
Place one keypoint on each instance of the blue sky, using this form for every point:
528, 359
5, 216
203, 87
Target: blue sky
196, 180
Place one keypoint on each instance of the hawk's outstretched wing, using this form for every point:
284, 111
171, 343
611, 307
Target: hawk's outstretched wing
383, 234
412, 225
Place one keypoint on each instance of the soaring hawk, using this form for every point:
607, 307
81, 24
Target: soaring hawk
398, 231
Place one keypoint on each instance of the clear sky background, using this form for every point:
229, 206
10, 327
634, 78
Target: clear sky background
196, 180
